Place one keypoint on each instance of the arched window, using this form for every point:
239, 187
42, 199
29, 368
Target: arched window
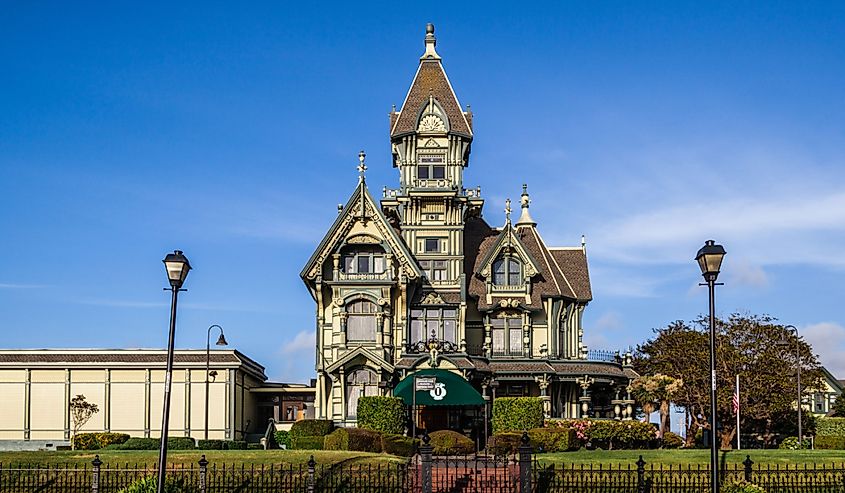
507, 334
507, 271
361, 321
358, 384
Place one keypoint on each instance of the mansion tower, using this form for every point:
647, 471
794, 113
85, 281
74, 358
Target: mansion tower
420, 281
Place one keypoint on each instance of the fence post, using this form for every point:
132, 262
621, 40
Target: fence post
747, 463
525, 463
203, 471
310, 482
425, 460
641, 475
95, 474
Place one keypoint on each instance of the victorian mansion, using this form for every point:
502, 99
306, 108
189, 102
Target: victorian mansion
420, 283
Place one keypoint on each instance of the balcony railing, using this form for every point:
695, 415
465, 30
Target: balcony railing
507, 288
603, 355
511, 352
364, 276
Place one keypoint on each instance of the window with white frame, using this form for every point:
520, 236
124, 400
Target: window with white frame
434, 270
443, 322
431, 166
507, 335
364, 260
507, 271
361, 321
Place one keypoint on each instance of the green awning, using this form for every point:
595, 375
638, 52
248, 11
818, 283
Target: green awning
450, 390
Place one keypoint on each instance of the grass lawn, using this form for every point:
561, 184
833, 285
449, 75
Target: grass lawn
119, 458
695, 457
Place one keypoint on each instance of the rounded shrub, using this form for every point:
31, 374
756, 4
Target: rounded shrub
504, 443
311, 428
356, 439
671, 440
86, 441
211, 444
382, 413
181, 443
791, 443
307, 443
282, 438
448, 442
399, 445
557, 439
137, 443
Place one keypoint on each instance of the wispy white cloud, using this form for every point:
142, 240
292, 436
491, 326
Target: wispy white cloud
744, 273
297, 358
161, 304
303, 341
828, 341
12, 285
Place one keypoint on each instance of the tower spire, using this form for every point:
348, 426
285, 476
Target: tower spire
507, 212
362, 166
430, 43
525, 218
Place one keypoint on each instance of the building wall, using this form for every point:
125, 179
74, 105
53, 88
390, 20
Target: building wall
36, 402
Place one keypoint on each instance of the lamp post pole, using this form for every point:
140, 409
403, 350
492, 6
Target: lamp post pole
709, 259
221, 341
177, 267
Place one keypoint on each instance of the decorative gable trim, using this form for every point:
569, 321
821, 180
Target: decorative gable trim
361, 207
508, 239
359, 351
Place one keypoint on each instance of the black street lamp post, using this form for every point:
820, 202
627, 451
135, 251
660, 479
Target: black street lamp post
177, 267
221, 341
709, 259
784, 342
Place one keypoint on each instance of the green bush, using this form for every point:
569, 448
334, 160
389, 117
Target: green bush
236, 445
517, 414
504, 443
311, 428
181, 443
555, 439
136, 443
671, 440
211, 444
830, 427
254, 446
741, 486
86, 441
830, 443
448, 442
355, 439
610, 434
148, 485
107, 439
399, 445
306, 443
791, 443
282, 438
382, 413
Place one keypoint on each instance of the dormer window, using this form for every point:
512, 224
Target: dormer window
507, 271
368, 260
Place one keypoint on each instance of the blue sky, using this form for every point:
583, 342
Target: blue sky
232, 132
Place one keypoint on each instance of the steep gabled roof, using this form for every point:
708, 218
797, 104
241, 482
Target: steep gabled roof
360, 205
429, 81
573, 265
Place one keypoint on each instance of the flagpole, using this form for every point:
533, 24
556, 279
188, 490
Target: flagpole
738, 446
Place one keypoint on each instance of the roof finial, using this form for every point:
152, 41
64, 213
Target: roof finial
362, 166
508, 211
583, 243
525, 218
430, 42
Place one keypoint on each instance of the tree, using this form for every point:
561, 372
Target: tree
80, 412
656, 392
839, 406
746, 345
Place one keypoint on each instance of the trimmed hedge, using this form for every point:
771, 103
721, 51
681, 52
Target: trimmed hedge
517, 414
553, 439
611, 434
504, 443
136, 443
382, 413
830, 427
94, 441
448, 442
211, 444
399, 445
282, 438
237, 445
306, 443
355, 439
181, 443
830, 443
311, 428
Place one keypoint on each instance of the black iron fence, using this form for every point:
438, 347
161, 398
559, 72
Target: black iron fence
425, 473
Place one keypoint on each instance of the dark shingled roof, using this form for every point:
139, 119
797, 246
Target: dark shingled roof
573, 264
116, 357
430, 79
